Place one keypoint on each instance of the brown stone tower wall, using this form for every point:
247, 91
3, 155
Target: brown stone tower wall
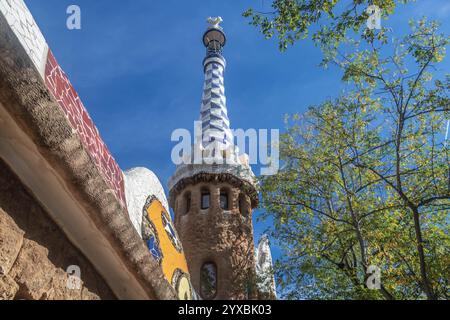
224, 238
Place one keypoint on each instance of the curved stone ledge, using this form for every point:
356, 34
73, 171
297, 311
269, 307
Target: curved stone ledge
40, 129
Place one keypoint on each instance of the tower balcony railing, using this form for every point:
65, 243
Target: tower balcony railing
241, 171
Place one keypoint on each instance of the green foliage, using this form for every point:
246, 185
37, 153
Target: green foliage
366, 178
292, 20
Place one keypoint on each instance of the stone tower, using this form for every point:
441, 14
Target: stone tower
213, 193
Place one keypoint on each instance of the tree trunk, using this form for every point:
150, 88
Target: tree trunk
427, 287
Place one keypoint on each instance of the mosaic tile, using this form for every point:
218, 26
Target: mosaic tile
213, 111
26, 30
68, 99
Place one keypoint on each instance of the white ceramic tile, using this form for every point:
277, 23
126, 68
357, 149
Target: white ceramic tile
26, 30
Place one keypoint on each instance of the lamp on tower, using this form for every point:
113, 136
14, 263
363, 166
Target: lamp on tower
214, 38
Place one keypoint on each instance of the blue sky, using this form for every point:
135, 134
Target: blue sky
137, 66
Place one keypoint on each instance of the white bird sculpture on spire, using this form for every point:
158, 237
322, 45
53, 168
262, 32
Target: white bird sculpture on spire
214, 22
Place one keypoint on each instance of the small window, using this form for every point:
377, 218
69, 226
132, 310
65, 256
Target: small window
224, 205
187, 202
208, 281
205, 200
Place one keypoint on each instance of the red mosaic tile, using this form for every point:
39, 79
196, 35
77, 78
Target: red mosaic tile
69, 101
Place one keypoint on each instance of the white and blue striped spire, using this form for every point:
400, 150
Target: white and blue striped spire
216, 134
213, 112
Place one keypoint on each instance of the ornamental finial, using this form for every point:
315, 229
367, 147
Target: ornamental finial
214, 22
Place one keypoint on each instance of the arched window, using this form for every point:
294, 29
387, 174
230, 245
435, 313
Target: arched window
208, 281
224, 200
206, 199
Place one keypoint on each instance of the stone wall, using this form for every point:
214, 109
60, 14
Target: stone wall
34, 252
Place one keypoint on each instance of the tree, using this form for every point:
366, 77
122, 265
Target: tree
366, 178
292, 20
